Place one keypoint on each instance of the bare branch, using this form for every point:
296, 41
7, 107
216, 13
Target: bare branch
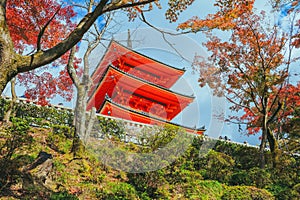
79, 6
164, 33
143, 19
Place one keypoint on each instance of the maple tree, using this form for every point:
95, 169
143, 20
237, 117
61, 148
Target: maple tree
250, 69
13, 62
44, 26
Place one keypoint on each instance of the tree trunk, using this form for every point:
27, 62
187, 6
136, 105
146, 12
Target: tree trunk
273, 147
80, 116
12, 103
79, 122
263, 142
82, 122
7, 55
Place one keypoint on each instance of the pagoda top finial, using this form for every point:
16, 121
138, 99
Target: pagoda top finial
129, 42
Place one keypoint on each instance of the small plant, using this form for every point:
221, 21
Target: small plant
15, 136
63, 195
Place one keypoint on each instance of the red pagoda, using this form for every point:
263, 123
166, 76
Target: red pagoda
132, 86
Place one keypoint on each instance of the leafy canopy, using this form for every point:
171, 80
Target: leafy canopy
39, 25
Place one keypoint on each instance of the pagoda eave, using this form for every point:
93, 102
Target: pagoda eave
113, 109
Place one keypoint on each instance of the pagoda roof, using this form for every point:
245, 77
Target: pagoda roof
111, 108
137, 64
115, 81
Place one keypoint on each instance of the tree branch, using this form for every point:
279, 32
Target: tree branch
71, 69
42, 58
42, 31
112, 6
27, 63
275, 113
143, 19
240, 105
164, 33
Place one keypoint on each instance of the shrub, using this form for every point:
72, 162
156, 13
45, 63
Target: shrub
110, 128
148, 182
285, 193
117, 191
260, 177
62, 130
245, 157
202, 189
241, 177
246, 193
219, 166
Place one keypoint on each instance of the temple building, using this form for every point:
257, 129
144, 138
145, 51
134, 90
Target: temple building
132, 86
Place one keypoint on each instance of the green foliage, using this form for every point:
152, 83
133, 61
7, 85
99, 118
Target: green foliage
158, 137
188, 177
283, 192
241, 177
62, 130
117, 191
239, 152
204, 190
15, 136
3, 107
219, 166
148, 182
57, 139
261, 177
246, 193
63, 195
38, 115
110, 128
287, 172
180, 175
